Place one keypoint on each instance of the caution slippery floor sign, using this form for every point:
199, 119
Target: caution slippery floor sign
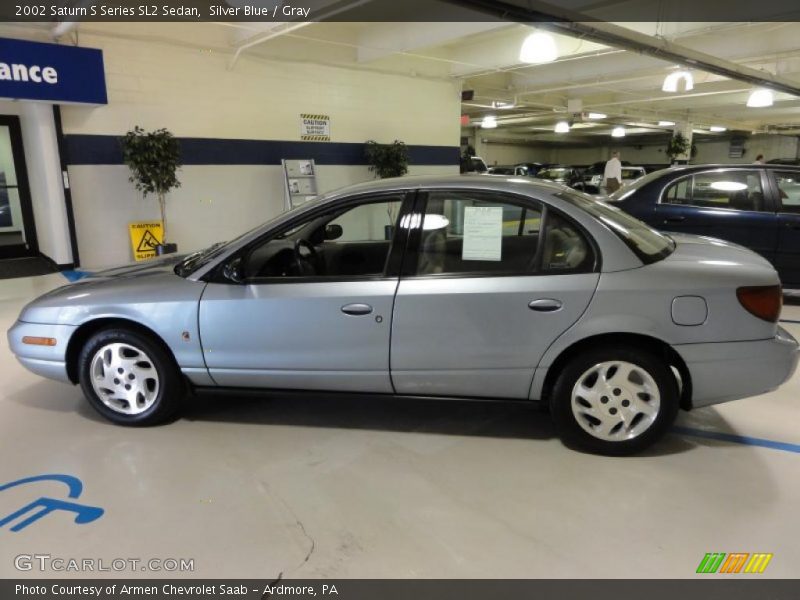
145, 236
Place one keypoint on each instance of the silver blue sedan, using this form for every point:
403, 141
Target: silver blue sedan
479, 287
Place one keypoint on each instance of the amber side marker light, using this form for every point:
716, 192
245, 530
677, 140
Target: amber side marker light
38, 341
763, 301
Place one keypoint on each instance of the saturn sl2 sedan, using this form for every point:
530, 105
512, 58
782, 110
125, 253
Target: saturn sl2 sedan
472, 287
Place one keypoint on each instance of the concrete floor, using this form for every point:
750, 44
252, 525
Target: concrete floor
358, 488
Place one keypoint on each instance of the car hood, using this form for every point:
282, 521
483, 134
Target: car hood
128, 291
139, 269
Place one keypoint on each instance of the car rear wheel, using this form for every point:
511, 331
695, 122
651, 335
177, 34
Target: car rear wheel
614, 400
130, 379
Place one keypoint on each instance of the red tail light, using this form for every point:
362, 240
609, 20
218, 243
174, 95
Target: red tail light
763, 301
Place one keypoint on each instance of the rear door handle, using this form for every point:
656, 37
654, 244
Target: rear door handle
793, 225
356, 309
545, 305
678, 219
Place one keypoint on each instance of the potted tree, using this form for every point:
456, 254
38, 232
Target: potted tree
387, 160
154, 159
678, 148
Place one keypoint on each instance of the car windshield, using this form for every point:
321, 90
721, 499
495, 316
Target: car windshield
195, 260
647, 243
629, 189
552, 173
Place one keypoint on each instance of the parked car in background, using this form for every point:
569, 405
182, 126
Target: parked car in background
473, 164
503, 170
756, 206
484, 287
784, 161
593, 178
650, 167
563, 174
530, 169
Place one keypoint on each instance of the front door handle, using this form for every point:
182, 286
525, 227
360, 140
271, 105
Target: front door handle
792, 225
545, 305
678, 219
356, 309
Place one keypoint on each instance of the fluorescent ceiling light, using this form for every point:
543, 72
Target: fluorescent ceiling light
727, 186
760, 98
671, 81
593, 115
562, 127
499, 104
666, 123
717, 128
489, 122
539, 47
431, 221
618, 132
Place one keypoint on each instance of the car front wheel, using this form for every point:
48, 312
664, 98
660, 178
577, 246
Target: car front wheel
129, 379
615, 400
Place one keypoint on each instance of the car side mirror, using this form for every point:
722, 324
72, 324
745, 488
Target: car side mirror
333, 232
232, 271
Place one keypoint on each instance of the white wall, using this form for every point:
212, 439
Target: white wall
194, 94
215, 202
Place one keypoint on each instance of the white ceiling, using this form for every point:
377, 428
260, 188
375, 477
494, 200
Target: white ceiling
484, 57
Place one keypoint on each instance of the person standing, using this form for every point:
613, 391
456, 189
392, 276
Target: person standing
759, 160
612, 176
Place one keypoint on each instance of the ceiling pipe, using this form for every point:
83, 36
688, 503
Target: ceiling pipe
557, 20
339, 7
62, 28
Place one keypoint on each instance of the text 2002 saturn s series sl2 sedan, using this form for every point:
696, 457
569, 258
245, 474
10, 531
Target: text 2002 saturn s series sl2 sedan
468, 286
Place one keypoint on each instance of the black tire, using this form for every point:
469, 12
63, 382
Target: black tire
566, 422
168, 398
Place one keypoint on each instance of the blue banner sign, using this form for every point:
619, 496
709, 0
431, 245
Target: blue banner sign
51, 72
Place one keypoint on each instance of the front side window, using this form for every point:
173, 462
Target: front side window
789, 190
482, 233
735, 189
343, 243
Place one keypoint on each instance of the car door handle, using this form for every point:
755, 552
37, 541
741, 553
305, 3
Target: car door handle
356, 309
678, 219
545, 305
793, 225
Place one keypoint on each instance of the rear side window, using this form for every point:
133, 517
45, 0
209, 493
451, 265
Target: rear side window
647, 243
735, 189
789, 190
483, 233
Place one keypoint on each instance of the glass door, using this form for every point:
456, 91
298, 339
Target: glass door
17, 232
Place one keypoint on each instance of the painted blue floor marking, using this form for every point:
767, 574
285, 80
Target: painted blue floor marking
75, 275
737, 439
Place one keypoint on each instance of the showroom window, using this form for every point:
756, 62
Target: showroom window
345, 243
487, 234
736, 189
789, 190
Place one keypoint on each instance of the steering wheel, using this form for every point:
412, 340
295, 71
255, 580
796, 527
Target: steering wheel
307, 263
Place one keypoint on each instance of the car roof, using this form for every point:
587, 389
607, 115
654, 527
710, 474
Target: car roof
677, 168
409, 182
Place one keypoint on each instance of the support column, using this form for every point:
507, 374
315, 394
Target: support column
685, 128
46, 183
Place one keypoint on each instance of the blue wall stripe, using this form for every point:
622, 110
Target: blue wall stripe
736, 439
105, 150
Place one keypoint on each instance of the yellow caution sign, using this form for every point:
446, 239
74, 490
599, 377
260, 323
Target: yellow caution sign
145, 236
